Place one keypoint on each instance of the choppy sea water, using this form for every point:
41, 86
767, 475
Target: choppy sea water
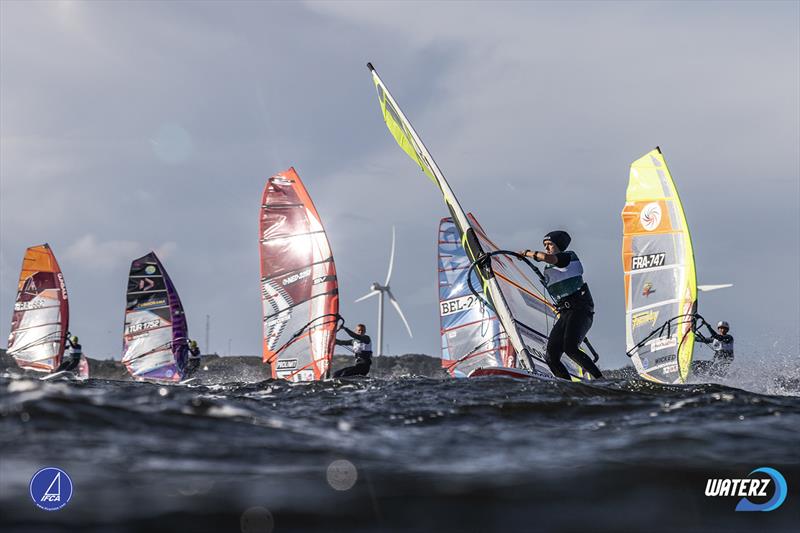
407, 454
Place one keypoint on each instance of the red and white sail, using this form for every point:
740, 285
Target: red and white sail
299, 289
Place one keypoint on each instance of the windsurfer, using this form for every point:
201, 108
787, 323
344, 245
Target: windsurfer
361, 345
721, 342
71, 363
193, 363
564, 281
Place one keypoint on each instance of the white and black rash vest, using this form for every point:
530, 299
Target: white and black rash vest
361, 345
722, 344
565, 279
76, 351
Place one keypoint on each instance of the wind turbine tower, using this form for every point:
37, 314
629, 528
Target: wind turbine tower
381, 291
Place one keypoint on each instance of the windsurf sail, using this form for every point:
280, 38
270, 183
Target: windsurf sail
155, 344
472, 336
299, 289
660, 281
529, 355
40, 320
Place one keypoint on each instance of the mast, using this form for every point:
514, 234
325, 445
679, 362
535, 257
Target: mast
409, 141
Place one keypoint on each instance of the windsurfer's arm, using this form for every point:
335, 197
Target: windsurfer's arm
356, 336
340, 342
714, 334
560, 259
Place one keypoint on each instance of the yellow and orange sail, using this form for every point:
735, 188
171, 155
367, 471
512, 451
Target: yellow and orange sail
660, 279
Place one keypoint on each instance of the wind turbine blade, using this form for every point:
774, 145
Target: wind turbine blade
708, 288
391, 262
369, 295
400, 312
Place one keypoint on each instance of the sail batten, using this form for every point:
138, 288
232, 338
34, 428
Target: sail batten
299, 288
659, 273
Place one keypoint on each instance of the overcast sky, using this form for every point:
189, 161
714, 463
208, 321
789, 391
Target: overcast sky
131, 126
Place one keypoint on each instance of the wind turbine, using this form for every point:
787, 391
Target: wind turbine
378, 289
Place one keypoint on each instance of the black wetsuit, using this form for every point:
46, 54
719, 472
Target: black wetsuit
193, 363
70, 363
723, 353
576, 314
362, 349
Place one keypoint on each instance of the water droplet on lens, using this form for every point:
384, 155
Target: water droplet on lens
342, 475
256, 520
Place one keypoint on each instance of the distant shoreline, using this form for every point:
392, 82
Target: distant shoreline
250, 368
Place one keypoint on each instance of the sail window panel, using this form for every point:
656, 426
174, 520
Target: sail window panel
41, 316
34, 338
664, 181
151, 362
652, 287
148, 341
674, 215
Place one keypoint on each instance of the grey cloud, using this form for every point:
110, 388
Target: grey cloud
152, 122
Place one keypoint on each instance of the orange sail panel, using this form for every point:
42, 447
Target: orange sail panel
41, 312
299, 290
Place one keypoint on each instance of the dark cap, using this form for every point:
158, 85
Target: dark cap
560, 238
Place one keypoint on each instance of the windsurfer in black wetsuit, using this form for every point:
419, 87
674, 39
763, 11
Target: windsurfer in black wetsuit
193, 362
564, 281
722, 343
361, 345
68, 364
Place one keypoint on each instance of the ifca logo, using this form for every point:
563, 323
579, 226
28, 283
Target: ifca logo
769, 492
51, 489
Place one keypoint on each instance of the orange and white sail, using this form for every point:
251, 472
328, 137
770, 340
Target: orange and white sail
41, 312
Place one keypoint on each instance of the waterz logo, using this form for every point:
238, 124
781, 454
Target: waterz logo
757, 488
286, 364
650, 216
50, 488
639, 262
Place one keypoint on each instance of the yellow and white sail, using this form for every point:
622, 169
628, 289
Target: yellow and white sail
409, 141
660, 280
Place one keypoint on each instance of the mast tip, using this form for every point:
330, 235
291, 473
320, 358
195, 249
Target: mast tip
370, 67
